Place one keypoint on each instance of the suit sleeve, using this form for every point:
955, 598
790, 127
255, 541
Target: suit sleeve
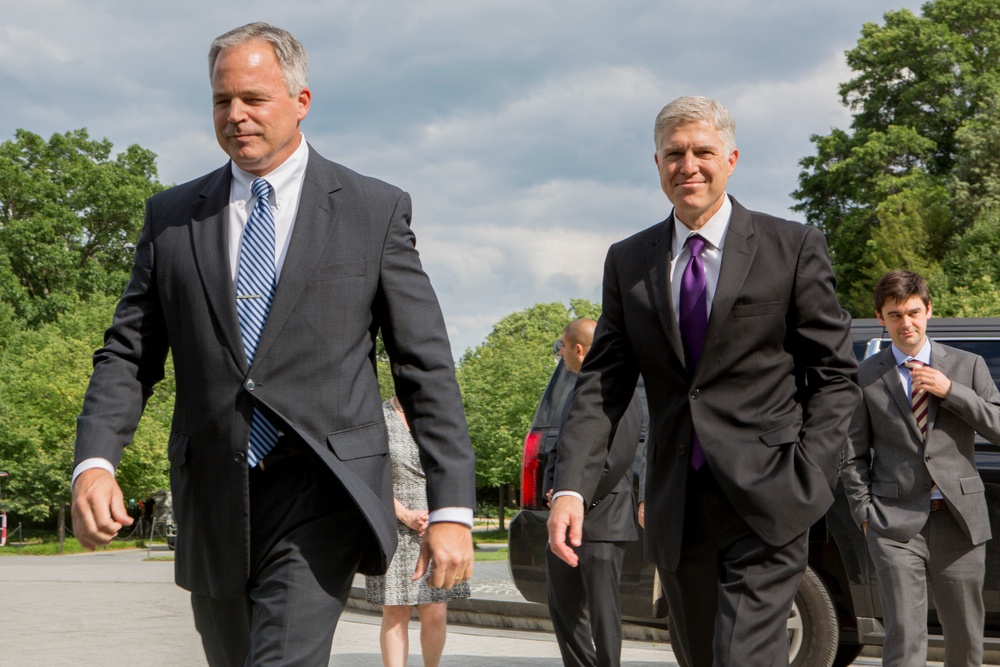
604, 388
128, 365
416, 339
856, 468
978, 405
826, 368
621, 455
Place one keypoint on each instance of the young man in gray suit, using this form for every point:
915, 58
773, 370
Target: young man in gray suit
910, 475
268, 280
732, 319
583, 601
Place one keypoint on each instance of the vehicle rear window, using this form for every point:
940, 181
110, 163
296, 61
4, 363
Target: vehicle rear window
553, 403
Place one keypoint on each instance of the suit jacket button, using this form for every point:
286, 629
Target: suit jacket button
695, 393
240, 457
683, 449
250, 385
927, 458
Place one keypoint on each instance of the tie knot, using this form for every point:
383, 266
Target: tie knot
261, 189
913, 363
696, 244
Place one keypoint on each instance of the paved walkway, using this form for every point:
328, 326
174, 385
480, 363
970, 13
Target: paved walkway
117, 608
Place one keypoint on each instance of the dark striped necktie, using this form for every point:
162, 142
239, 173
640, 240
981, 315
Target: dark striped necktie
918, 399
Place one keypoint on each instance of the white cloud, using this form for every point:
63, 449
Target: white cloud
521, 128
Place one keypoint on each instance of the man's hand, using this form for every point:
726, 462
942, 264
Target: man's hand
98, 508
642, 514
864, 527
930, 380
447, 551
566, 520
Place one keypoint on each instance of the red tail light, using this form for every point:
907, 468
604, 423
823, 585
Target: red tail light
532, 471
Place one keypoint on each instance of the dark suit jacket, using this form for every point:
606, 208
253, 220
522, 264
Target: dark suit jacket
611, 514
892, 489
770, 400
351, 269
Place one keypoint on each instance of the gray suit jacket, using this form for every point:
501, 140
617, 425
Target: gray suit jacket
888, 469
351, 269
771, 399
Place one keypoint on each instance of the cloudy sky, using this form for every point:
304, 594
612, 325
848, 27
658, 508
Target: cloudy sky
522, 128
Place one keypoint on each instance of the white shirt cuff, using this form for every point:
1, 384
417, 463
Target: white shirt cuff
454, 514
567, 493
87, 464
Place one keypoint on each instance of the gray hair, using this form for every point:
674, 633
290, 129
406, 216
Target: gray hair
292, 56
692, 110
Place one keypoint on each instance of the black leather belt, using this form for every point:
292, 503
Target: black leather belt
286, 448
938, 504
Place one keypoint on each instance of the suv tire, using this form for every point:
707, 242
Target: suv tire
813, 631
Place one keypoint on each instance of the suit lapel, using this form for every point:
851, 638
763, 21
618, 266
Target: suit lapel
210, 246
314, 223
737, 258
894, 387
658, 259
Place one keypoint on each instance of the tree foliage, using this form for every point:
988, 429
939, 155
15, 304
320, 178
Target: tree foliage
69, 216
47, 371
70, 212
919, 168
503, 379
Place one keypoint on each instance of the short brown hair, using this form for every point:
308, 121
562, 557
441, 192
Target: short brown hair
900, 286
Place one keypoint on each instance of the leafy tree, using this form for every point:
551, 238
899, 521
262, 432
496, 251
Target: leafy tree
386, 387
46, 372
920, 162
69, 217
502, 381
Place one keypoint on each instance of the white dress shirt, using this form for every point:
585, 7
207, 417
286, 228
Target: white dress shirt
714, 233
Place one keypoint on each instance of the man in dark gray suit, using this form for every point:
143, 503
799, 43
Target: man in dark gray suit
910, 476
268, 281
583, 601
732, 320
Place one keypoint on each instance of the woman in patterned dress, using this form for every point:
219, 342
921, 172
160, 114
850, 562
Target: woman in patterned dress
395, 590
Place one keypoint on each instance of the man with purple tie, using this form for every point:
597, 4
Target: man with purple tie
732, 320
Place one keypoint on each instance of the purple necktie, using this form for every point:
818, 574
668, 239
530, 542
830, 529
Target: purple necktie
693, 320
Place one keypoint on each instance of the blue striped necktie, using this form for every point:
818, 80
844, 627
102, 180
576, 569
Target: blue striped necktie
254, 290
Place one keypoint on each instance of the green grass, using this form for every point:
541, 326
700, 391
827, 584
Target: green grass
490, 536
492, 554
46, 543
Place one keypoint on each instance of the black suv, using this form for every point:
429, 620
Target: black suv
837, 609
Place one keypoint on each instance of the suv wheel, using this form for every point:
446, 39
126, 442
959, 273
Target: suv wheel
813, 631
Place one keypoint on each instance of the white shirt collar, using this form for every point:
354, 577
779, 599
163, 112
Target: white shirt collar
714, 231
287, 174
924, 355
